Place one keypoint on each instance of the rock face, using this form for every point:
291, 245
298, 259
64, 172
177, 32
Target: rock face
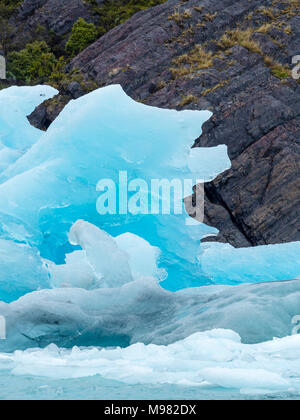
257, 201
179, 55
45, 18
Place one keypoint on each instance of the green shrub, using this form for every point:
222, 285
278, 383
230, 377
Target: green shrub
115, 12
44, 62
83, 34
7, 7
35, 63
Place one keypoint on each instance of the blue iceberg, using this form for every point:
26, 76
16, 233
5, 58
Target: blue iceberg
91, 254
57, 178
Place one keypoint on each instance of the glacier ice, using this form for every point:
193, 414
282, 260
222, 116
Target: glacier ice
16, 134
250, 265
73, 277
107, 261
54, 184
94, 138
142, 311
21, 270
104, 261
209, 359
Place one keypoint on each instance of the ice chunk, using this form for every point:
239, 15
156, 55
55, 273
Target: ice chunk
21, 270
141, 311
54, 184
206, 360
8, 156
214, 160
16, 134
247, 380
228, 265
110, 264
143, 257
104, 261
115, 261
76, 272
92, 139
106, 272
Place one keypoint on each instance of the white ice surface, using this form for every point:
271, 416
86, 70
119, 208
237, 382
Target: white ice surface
215, 358
104, 261
228, 265
105, 271
141, 311
16, 134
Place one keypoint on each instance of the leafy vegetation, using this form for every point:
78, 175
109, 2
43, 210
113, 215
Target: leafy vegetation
7, 7
35, 63
43, 60
83, 34
115, 12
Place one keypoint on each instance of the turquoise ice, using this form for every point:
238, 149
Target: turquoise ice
74, 282
16, 134
51, 183
55, 182
53, 239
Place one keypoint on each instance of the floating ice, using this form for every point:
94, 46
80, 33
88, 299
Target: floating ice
94, 138
105, 271
141, 311
16, 134
54, 184
104, 261
21, 270
101, 273
213, 358
250, 265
